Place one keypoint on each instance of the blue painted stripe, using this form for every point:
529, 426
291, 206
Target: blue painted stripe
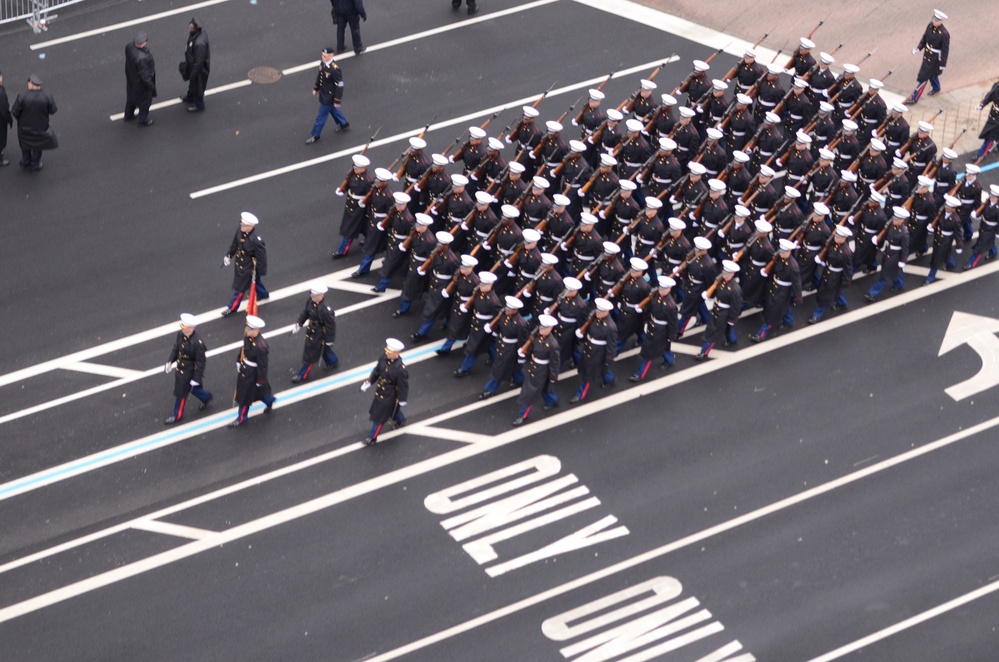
991, 166
193, 429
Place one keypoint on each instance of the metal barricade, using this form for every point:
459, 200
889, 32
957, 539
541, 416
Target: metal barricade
37, 13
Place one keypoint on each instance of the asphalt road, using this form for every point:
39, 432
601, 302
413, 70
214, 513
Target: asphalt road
737, 482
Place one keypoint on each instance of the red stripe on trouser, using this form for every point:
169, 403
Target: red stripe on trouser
919, 90
236, 302
645, 368
243, 411
527, 411
586, 389
180, 408
709, 348
378, 431
307, 371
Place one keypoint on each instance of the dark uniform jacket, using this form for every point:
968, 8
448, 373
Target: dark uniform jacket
935, 45
251, 371
189, 353
320, 331
140, 75
391, 382
198, 59
246, 249
6, 119
31, 109
329, 83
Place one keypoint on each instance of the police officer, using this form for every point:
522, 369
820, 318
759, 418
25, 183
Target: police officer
319, 322
390, 378
542, 369
251, 372
188, 359
247, 250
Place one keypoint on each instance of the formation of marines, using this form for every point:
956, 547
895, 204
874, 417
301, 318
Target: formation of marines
561, 241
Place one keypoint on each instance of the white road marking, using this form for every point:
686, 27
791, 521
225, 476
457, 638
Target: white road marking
908, 623
447, 435
311, 66
103, 370
168, 529
360, 288
407, 134
118, 26
979, 333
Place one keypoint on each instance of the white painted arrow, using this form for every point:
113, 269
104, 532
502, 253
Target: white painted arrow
978, 333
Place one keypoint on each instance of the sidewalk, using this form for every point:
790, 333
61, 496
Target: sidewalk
888, 30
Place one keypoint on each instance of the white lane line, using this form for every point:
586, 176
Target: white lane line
359, 288
175, 101
164, 330
447, 435
407, 134
103, 370
168, 529
697, 33
908, 623
311, 66
420, 468
118, 26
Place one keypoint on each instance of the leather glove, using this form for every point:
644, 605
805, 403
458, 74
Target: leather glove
226, 261
168, 367
295, 329
365, 386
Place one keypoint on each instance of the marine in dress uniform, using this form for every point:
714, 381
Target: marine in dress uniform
673, 248
922, 150
869, 222
697, 276
319, 321
604, 273
359, 182
837, 274
472, 152
757, 255
945, 175
589, 120
525, 263
571, 310
766, 195
443, 267
970, 195
848, 91
575, 173
415, 163
724, 306
946, 234
459, 291
511, 188
422, 244
814, 235
935, 45
620, 213
990, 132
741, 124
386, 230
712, 211
187, 358
633, 151
985, 245
664, 170
560, 224
922, 212
713, 156
551, 150
896, 130
899, 185
713, 108
490, 168
508, 237
454, 206
390, 377
872, 165
823, 177
400, 224
738, 233
644, 105
584, 246
604, 183
249, 255
873, 112
536, 205
511, 331
848, 147
660, 329
770, 93
748, 71
379, 201
844, 197
697, 83
251, 372
648, 232
686, 137
802, 59
526, 135
543, 365
546, 287
770, 141
821, 78
599, 340
798, 108
798, 161
782, 290
894, 247
665, 117
433, 189
787, 215
631, 290
482, 306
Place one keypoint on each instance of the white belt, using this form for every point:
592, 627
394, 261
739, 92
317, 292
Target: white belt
554, 164
540, 361
871, 121
632, 165
464, 299
647, 242
946, 234
658, 322
836, 269
585, 258
480, 316
967, 201
356, 197
510, 341
869, 231
812, 248
527, 275
250, 363
400, 237
768, 104
722, 305
378, 215
662, 180
935, 51
782, 283
894, 247
443, 276
795, 178
738, 133
545, 299
845, 104
483, 235
595, 341
673, 260
762, 153
694, 281
412, 180
506, 252
757, 263
534, 219
737, 246
991, 225
608, 282
796, 117
567, 320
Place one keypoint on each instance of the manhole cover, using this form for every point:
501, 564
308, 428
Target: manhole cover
264, 75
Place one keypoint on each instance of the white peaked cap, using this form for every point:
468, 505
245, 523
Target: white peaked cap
634, 126
730, 267
763, 226
665, 282
483, 198
614, 115
530, 111
444, 237
487, 277
494, 144
560, 200
702, 243
383, 175
547, 321
318, 287
469, 261
843, 231
553, 126
611, 248
394, 345
513, 303
360, 161
648, 84
476, 133
424, 219
638, 264
509, 211
548, 258
401, 198
572, 284
517, 167
187, 319
820, 208
677, 223
255, 322
531, 235
603, 305
785, 245
417, 143
246, 218
439, 160
459, 180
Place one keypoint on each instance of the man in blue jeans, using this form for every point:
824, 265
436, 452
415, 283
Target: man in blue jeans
329, 89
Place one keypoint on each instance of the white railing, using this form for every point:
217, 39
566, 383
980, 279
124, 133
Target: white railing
35, 12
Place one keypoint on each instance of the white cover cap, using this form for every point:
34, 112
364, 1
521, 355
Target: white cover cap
666, 144
826, 107
924, 126
785, 245
774, 69
806, 43
360, 161
902, 212
749, 53
383, 174
517, 167
586, 218
950, 201
665, 282
851, 69
444, 237
553, 126
939, 15
469, 260
771, 117
614, 115
596, 95
476, 133
877, 145
848, 176
634, 126
741, 211
560, 200
572, 284
923, 180
696, 168
439, 160
607, 160
849, 125
719, 85
530, 111
677, 224
494, 144
513, 303
763, 226
531, 236
652, 202
577, 146
417, 143
487, 277
803, 138
509, 211
730, 267
994, 190
424, 219
401, 198
878, 197
716, 185
714, 134
627, 185
825, 58
394, 345
899, 164
459, 180
827, 155
547, 321
948, 153
739, 156
638, 264
187, 319
484, 198
701, 65
767, 171
820, 208
610, 248
255, 322
648, 84
668, 99
743, 99
876, 84
800, 83
702, 243
540, 182
687, 112
843, 231
246, 218
318, 287
603, 305
548, 258
791, 192
972, 169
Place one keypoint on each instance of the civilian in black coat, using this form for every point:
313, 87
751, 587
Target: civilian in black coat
196, 67
32, 110
140, 79
347, 13
6, 120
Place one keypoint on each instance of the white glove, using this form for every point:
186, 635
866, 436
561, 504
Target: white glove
365, 386
403, 403
564, 246
416, 187
421, 271
580, 193
487, 247
763, 272
361, 205
958, 250
506, 263
721, 234
194, 383
237, 366
339, 193
587, 277
779, 163
488, 328
610, 294
330, 345
915, 51
974, 215
979, 107
901, 265
654, 252
930, 229
704, 295
464, 226
226, 261
295, 329
450, 158
473, 177
462, 308
445, 293
579, 333
874, 240
402, 247
819, 260
507, 139
638, 309
168, 367
602, 215
672, 199
527, 294
639, 179
874, 133
675, 271
521, 354
574, 122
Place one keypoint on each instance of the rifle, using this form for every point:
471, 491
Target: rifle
526, 347
557, 172
520, 122
581, 331
367, 196
932, 168
346, 180
797, 51
589, 184
858, 105
815, 67
454, 284
440, 250
682, 87
953, 192
835, 87
531, 284
579, 118
464, 221
388, 219
548, 139
634, 98
734, 70
490, 238
436, 206
455, 142
404, 246
409, 153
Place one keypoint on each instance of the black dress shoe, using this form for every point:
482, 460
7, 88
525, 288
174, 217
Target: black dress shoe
635, 379
195, 109
368, 441
665, 366
473, 12
312, 139
700, 356
227, 312
332, 367
460, 373
336, 255
485, 395
146, 123
377, 291
869, 298
442, 352
342, 128
269, 409
399, 424
128, 119
418, 337
341, 50
399, 313
297, 379
756, 338
234, 424
357, 274
204, 405
933, 92
4, 162
170, 421
813, 319
553, 405
518, 421
38, 168
574, 399
609, 384
360, 50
